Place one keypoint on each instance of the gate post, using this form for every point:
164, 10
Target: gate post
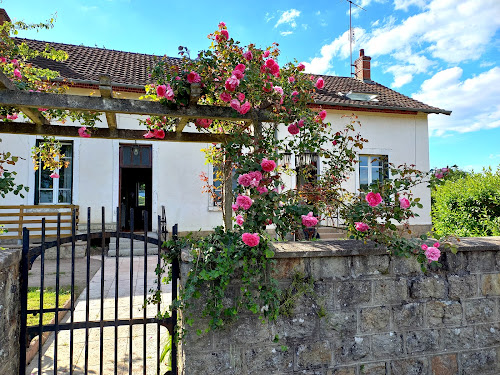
23, 337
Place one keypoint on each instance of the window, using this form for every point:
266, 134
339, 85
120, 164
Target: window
216, 182
306, 168
55, 190
372, 169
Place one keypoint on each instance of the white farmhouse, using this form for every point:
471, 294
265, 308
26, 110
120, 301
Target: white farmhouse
148, 175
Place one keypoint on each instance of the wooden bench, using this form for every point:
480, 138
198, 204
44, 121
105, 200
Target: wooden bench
14, 218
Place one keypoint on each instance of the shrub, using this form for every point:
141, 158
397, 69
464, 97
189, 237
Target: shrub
468, 206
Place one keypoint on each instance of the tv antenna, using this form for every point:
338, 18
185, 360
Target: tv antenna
351, 31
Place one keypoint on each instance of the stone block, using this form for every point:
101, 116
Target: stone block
375, 319
353, 293
454, 263
244, 331
377, 368
299, 326
410, 315
481, 261
343, 371
422, 341
490, 284
324, 295
198, 342
411, 366
268, 359
352, 350
484, 362
406, 266
444, 313
460, 338
444, 365
329, 268
287, 267
488, 334
370, 265
479, 310
461, 287
339, 324
224, 362
390, 291
428, 287
313, 355
388, 345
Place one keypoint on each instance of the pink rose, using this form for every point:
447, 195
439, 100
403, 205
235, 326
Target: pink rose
334, 142
1, 171
255, 175
295, 96
169, 93
149, 134
309, 220
54, 175
231, 83
278, 89
225, 97
161, 91
262, 189
12, 117
235, 207
239, 220
275, 69
436, 244
17, 74
248, 55
241, 97
204, 122
373, 199
82, 132
293, 129
301, 67
268, 87
251, 240
224, 35
266, 54
244, 202
291, 79
268, 165
361, 227
322, 115
235, 104
432, 254
245, 107
159, 133
245, 179
439, 175
240, 67
300, 123
222, 25
320, 83
14, 62
238, 74
404, 203
193, 77
424, 246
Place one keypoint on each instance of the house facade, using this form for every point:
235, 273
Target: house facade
147, 175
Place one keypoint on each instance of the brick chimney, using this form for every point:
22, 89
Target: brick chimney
362, 67
4, 16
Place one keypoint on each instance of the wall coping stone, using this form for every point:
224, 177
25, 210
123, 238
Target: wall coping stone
343, 248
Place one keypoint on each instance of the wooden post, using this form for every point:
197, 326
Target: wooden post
21, 214
227, 191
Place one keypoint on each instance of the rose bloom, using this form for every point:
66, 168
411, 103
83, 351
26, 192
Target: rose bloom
256, 175
231, 83
320, 83
245, 107
12, 116
235, 207
170, 93
322, 115
266, 54
241, 96
432, 254
54, 175
293, 129
373, 199
82, 132
361, 227
250, 239
248, 55
244, 202
1, 171
149, 134
278, 89
295, 96
17, 74
301, 67
262, 189
309, 220
268, 165
203, 122
238, 74
291, 79
404, 203
225, 97
161, 91
159, 133
235, 104
245, 179
222, 25
240, 67
193, 77
300, 123
239, 220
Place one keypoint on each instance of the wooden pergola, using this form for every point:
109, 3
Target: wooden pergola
28, 102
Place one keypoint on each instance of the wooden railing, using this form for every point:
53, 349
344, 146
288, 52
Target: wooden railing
14, 218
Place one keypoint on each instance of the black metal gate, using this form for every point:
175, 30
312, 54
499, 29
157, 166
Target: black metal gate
101, 322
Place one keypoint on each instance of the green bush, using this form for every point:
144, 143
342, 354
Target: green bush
468, 206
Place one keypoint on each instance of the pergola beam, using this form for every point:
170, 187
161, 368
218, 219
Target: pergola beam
106, 133
112, 105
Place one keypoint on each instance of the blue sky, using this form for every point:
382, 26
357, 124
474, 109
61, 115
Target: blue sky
445, 53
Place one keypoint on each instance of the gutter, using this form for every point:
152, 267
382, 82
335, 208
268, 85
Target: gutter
349, 105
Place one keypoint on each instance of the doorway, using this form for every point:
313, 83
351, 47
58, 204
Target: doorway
135, 186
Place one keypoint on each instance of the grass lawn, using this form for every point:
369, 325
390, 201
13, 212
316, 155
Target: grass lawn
49, 301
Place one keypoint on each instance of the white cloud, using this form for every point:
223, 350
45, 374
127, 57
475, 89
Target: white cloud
404, 4
339, 47
413, 63
288, 17
474, 101
286, 33
268, 17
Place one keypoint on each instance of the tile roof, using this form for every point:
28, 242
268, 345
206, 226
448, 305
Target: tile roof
131, 69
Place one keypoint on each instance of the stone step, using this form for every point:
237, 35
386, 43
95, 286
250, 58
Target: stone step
328, 230
332, 236
137, 252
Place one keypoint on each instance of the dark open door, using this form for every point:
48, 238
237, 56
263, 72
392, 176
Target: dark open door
135, 185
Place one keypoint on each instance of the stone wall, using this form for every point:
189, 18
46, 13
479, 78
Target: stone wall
9, 311
383, 317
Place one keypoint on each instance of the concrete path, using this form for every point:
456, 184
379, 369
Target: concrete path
124, 337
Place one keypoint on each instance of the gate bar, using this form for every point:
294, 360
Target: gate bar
58, 268
131, 291
101, 330
72, 316
42, 287
158, 288
87, 297
146, 224
24, 301
175, 275
117, 254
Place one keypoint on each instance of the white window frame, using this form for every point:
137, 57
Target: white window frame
371, 157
